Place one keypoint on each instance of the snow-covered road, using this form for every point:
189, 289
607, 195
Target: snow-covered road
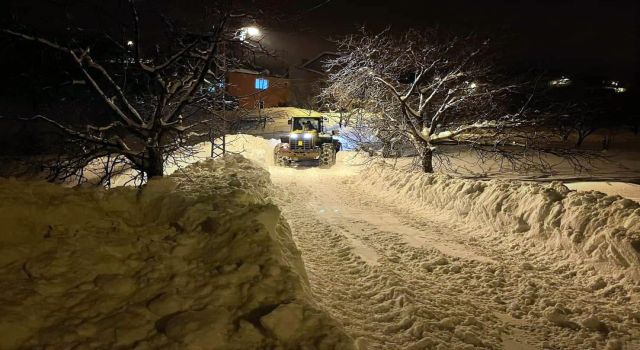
399, 277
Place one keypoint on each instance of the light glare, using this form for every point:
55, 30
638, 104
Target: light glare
253, 31
563, 81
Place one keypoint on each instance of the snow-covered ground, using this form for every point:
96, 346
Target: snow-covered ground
409, 261
612, 188
199, 260
402, 260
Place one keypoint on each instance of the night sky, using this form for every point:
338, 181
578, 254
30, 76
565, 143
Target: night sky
573, 37
585, 37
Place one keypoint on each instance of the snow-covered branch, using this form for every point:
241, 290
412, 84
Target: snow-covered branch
149, 98
438, 91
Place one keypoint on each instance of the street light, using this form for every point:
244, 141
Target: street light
248, 32
253, 31
130, 43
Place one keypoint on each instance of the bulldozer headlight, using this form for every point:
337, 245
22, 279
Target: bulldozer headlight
293, 136
307, 136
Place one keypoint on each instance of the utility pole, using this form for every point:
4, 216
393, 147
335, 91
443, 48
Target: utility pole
218, 141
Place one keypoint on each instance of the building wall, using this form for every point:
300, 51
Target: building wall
305, 88
243, 86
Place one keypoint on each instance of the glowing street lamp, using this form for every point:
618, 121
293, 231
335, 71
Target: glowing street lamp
130, 43
249, 32
253, 31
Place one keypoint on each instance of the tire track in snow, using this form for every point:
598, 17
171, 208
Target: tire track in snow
383, 306
403, 278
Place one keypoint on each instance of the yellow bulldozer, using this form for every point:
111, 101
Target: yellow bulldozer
307, 141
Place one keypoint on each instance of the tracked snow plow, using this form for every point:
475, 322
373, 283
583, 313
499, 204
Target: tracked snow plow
307, 141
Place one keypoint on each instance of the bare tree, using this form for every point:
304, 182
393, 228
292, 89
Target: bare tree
583, 110
159, 101
425, 91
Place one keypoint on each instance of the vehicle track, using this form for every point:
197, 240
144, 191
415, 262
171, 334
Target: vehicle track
400, 277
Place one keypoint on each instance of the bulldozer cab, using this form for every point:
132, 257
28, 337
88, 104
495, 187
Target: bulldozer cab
306, 124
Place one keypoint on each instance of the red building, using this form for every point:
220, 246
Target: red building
254, 90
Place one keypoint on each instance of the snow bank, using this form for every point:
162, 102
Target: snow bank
198, 260
593, 226
256, 148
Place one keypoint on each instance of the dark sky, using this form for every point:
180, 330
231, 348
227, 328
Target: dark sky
583, 37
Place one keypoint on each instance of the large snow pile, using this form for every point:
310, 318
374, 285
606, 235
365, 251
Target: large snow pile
256, 148
592, 226
198, 260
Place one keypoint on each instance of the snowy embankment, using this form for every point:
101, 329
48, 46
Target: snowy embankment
198, 260
589, 226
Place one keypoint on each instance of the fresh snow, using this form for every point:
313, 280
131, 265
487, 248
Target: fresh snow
198, 260
400, 260
596, 227
612, 188
411, 261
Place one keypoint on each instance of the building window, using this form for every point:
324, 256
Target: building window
262, 84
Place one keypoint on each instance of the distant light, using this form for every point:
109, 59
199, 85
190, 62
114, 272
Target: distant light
615, 86
473, 86
563, 81
130, 43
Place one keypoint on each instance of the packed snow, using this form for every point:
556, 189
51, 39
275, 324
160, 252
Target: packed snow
411, 261
198, 260
393, 259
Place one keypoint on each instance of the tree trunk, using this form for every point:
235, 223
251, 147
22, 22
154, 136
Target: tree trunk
154, 166
427, 160
582, 135
386, 150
